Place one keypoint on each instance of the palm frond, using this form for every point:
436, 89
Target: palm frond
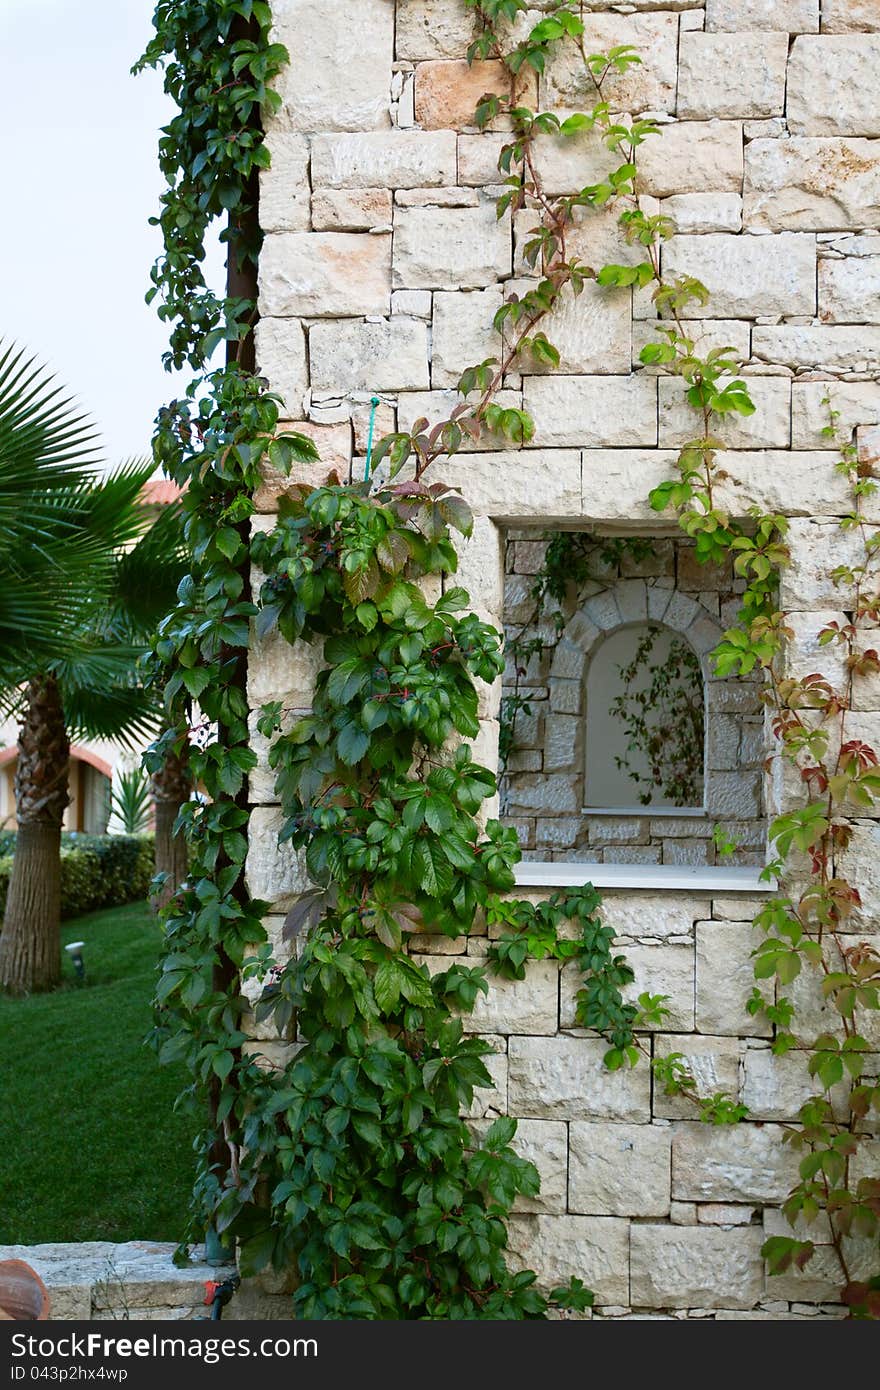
146, 578
44, 444
129, 715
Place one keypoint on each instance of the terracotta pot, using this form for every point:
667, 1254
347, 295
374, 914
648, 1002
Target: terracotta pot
23, 1296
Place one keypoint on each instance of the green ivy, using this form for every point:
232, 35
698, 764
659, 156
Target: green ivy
350, 1160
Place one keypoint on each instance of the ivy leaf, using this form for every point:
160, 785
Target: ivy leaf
432, 870
352, 743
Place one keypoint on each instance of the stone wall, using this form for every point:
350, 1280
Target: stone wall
382, 268
543, 793
657, 1212
102, 1281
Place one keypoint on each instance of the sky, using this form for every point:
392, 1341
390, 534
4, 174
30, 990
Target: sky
80, 180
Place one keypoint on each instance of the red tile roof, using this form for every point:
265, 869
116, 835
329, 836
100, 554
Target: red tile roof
160, 492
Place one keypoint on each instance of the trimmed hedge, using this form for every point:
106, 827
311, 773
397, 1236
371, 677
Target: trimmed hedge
96, 870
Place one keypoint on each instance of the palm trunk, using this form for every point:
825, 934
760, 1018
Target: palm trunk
30, 945
171, 790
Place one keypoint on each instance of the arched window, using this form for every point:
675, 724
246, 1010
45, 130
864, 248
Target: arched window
645, 716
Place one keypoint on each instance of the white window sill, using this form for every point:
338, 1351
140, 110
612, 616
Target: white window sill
673, 878
673, 812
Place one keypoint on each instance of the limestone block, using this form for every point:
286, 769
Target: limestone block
739, 74
566, 697
849, 290
567, 165
693, 157
775, 1088
747, 275
281, 358
664, 969
569, 658
713, 1063
738, 908
741, 16
491, 1100
559, 833
348, 355
594, 238
463, 333
850, 16
804, 654
325, 274
705, 333
261, 781
592, 411
544, 794
565, 1078
821, 1279
91, 1276
340, 74
384, 159
273, 872
816, 548
520, 483
688, 1266
528, 1006
438, 405
724, 1214
725, 979
608, 830
284, 186
450, 248
832, 85
481, 565
562, 739
631, 596
448, 91
619, 1169
417, 304
866, 688
811, 184
351, 210
649, 86
769, 427
279, 671
559, 1248
731, 1163
857, 401
593, 331
704, 212
334, 444
859, 864
432, 29
834, 347
544, 1143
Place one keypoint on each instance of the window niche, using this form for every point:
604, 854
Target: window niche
622, 746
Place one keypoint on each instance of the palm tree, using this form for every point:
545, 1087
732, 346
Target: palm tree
98, 577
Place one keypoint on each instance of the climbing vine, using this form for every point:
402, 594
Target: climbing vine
814, 928
349, 1159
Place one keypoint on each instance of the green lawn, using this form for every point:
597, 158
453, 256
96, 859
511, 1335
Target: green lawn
90, 1148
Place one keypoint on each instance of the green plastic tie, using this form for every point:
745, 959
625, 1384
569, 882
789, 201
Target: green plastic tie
374, 403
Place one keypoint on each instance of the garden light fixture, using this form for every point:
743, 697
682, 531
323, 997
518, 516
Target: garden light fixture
74, 950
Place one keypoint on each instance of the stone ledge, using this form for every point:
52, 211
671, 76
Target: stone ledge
665, 877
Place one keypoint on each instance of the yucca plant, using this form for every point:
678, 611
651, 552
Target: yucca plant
131, 801
95, 577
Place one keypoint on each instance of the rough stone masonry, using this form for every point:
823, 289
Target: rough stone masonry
382, 268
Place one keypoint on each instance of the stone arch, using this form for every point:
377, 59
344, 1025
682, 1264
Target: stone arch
620, 604
633, 601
